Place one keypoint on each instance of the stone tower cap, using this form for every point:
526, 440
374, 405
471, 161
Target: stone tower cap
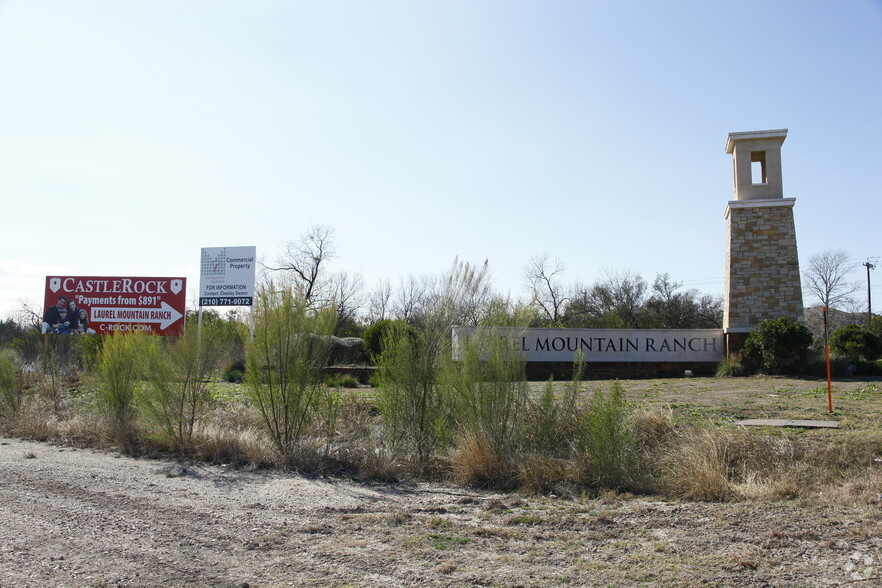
752, 135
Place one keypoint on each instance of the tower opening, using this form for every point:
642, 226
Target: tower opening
758, 168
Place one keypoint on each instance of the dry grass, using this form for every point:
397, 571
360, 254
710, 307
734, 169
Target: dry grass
686, 448
540, 474
696, 466
475, 461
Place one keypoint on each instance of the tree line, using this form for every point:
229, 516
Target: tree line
616, 300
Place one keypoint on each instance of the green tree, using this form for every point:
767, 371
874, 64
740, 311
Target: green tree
854, 342
671, 308
616, 301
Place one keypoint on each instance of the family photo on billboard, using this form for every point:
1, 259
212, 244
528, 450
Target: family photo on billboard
65, 318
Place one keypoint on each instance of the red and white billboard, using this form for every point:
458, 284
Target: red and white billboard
106, 305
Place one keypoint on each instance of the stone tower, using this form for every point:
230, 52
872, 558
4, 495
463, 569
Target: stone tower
762, 267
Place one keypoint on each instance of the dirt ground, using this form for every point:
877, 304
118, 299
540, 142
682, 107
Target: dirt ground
78, 517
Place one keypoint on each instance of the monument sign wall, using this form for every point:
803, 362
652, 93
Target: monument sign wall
609, 345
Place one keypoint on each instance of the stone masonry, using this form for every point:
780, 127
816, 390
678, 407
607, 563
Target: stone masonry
762, 266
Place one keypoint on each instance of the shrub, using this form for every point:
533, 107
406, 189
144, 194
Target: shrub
90, 350
731, 366
234, 372
609, 440
10, 382
545, 435
410, 395
489, 389
554, 423
341, 381
120, 370
854, 342
779, 345
284, 362
177, 393
376, 336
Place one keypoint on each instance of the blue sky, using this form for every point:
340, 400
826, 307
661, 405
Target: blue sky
134, 133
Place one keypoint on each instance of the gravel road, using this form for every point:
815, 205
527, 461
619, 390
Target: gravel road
79, 517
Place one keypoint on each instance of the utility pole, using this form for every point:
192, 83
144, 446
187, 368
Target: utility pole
869, 266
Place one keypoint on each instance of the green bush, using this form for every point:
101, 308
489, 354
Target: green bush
778, 346
854, 342
89, 350
177, 393
554, 423
284, 362
376, 335
489, 387
545, 436
609, 439
410, 394
875, 325
234, 372
731, 367
120, 371
10, 382
341, 381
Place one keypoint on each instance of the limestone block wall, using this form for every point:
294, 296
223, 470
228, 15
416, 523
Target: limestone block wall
762, 267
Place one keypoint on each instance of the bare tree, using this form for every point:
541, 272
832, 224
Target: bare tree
304, 260
547, 293
826, 278
410, 298
348, 299
29, 315
379, 301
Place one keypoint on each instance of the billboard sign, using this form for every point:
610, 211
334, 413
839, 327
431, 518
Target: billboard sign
226, 276
105, 305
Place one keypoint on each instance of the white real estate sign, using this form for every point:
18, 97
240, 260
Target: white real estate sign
226, 276
606, 345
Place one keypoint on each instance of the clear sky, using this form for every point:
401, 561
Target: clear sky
134, 133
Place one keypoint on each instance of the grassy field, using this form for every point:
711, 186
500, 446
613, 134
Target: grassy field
857, 404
